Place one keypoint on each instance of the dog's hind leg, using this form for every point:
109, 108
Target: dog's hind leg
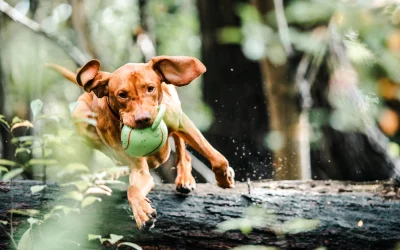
185, 182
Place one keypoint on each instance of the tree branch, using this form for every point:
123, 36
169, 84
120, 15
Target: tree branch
76, 55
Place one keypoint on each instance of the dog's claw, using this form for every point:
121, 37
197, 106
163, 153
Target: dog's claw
143, 213
185, 188
226, 179
185, 184
153, 215
148, 225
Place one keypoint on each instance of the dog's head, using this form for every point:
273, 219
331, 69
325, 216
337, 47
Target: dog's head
134, 90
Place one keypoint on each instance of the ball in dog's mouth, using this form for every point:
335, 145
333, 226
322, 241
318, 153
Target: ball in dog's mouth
145, 141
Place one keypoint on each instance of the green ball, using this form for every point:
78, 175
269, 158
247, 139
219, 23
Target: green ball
146, 141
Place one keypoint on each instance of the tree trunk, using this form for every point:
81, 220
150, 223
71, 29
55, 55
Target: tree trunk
288, 124
351, 216
233, 89
284, 119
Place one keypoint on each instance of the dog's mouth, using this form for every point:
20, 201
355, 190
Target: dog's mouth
136, 125
143, 126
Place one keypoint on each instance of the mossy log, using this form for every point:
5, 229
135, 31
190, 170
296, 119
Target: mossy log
350, 215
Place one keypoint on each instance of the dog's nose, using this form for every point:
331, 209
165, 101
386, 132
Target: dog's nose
143, 120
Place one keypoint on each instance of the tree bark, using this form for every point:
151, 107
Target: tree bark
284, 119
291, 160
232, 87
351, 216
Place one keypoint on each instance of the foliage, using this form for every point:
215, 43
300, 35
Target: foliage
51, 150
260, 218
369, 33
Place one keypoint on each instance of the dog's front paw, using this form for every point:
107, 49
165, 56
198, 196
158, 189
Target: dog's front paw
145, 216
225, 177
185, 183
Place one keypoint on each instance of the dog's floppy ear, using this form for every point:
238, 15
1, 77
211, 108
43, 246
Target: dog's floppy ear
91, 79
177, 70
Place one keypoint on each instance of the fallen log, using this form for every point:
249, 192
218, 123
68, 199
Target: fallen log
350, 216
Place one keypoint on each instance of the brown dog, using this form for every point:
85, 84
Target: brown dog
130, 96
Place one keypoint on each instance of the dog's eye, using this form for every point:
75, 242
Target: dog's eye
150, 89
123, 95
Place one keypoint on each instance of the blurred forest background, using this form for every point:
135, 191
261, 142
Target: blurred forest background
293, 89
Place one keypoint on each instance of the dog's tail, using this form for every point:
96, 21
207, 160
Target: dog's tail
68, 74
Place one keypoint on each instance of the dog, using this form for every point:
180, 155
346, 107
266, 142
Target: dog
130, 96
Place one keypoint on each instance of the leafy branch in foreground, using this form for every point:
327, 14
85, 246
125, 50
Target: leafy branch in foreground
57, 148
258, 218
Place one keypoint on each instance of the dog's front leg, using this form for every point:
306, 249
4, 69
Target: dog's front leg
141, 182
220, 166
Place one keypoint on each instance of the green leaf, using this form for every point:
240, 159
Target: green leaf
27, 212
36, 107
307, 41
3, 222
299, 225
308, 12
358, 53
66, 210
50, 138
73, 168
65, 134
16, 119
22, 150
26, 241
22, 139
3, 120
42, 162
75, 195
13, 173
94, 237
129, 244
53, 117
243, 224
81, 185
37, 188
32, 221
3, 169
396, 16
8, 163
49, 215
114, 238
87, 120
89, 200
229, 35
77, 167
248, 13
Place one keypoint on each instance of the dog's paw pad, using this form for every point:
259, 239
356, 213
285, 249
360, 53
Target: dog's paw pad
225, 178
148, 225
185, 188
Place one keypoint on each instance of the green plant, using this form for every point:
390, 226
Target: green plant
64, 159
257, 217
